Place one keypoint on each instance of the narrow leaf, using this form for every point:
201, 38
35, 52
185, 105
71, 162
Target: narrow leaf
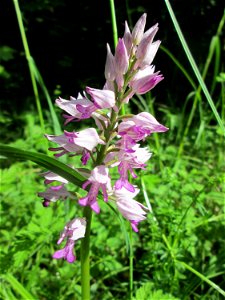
45, 161
18, 287
194, 66
38, 77
204, 278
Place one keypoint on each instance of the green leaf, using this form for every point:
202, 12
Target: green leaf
6, 293
45, 161
147, 292
18, 287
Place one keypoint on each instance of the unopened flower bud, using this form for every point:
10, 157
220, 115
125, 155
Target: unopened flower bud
138, 29
110, 65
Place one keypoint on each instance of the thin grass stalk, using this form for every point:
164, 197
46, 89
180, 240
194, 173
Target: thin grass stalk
55, 121
180, 66
223, 99
18, 287
216, 63
114, 24
189, 97
129, 13
85, 257
29, 60
147, 201
212, 49
218, 47
194, 66
202, 277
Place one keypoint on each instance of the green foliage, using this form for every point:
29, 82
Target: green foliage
147, 291
6, 54
186, 225
179, 251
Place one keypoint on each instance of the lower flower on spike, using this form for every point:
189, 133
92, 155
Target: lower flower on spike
99, 179
131, 209
73, 231
53, 194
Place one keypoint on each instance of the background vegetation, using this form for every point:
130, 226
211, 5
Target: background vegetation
179, 252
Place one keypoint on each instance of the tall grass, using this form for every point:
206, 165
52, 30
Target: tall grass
36, 77
196, 72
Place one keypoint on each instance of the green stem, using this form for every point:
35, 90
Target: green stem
29, 60
85, 256
108, 132
131, 267
114, 25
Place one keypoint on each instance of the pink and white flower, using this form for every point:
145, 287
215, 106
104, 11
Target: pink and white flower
76, 142
146, 50
127, 38
51, 177
138, 30
102, 98
77, 109
140, 126
128, 72
121, 57
99, 179
131, 209
145, 80
129, 160
73, 231
55, 193
110, 73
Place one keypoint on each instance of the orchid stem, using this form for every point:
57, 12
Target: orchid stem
131, 268
85, 257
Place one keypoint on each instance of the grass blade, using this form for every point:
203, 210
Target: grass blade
28, 57
36, 77
194, 66
55, 120
17, 286
180, 66
211, 283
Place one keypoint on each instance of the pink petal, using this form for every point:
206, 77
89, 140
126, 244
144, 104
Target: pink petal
138, 29
59, 254
109, 65
121, 58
